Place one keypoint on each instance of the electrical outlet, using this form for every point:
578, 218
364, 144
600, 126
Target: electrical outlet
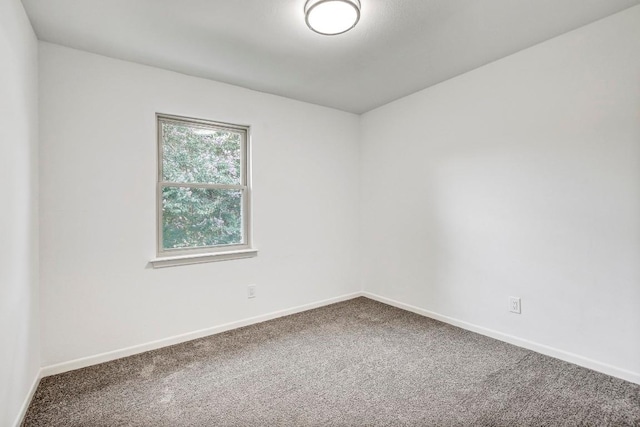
514, 305
251, 291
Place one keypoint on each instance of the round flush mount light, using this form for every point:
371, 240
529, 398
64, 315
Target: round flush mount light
331, 17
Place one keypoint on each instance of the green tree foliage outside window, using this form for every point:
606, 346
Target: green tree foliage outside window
208, 213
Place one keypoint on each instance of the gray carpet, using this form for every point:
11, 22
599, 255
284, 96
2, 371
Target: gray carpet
356, 363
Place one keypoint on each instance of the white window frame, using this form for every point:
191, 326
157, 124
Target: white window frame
171, 257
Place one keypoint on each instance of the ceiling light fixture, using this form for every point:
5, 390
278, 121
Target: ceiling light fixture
331, 17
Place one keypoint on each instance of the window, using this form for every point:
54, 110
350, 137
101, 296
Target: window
203, 191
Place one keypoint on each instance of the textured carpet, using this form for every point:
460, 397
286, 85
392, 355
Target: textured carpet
356, 363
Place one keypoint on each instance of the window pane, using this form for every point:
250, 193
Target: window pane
199, 217
192, 154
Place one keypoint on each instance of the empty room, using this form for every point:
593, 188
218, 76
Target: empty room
320, 213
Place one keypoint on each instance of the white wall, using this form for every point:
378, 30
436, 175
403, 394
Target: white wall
519, 178
19, 325
98, 154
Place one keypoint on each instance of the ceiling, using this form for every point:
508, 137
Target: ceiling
397, 48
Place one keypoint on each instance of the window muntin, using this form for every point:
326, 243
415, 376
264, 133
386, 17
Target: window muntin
203, 186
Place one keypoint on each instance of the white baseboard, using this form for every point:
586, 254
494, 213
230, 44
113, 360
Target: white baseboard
27, 399
520, 342
624, 374
141, 348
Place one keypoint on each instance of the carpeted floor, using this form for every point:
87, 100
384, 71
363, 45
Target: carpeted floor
356, 363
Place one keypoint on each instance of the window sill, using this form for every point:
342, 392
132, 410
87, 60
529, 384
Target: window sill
173, 261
